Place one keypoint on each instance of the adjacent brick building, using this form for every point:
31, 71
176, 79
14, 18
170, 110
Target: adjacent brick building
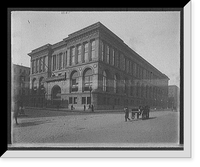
93, 65
20, 82
174, 96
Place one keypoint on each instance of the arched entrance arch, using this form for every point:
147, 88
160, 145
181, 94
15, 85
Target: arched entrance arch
56, 93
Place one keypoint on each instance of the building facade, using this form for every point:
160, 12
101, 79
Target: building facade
94, 66
174, 96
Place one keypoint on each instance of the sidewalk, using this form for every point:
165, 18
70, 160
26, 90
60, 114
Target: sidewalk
69, 110
87, 110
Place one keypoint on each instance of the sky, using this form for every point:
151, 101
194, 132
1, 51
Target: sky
155, 36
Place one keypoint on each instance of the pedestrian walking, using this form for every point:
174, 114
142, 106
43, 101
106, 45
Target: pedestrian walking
92, 108
126, 114
16, 111
148, 110
84, 107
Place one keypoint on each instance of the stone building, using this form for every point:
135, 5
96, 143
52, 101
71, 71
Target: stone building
94, 66
20, 82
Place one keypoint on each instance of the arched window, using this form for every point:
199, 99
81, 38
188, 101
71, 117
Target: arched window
87, 79
34, 84
41, 84
115, 83
104, 81
74, 81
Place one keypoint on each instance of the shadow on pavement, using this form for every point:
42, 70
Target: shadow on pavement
32, 123
140, 119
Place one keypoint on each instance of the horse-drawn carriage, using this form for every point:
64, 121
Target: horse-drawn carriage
136, 112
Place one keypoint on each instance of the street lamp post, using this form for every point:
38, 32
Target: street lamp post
91, 98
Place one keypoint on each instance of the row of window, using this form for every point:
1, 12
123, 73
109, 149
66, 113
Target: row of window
112, 56
77, 54
86, 52
39, 65
84, 100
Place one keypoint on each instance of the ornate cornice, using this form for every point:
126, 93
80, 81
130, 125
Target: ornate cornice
40, 49
83, 37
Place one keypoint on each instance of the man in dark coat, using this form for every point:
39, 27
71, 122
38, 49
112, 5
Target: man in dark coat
92, 107
126, 114
144, 113
148, 110
16, 110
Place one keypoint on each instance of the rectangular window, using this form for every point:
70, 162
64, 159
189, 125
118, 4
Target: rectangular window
57, 62
79, 53
70, 100
93, 50
135, 69
102, 51
43, 62
88, 100
40, 62
37, 65
60, 61
66, 59
75, 100
83, 100
85, 56
54, 62
72, 55
113, 56
107, 54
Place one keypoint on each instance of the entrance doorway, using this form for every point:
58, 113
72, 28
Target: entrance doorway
56, 96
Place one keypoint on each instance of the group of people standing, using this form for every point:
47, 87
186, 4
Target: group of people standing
144, 111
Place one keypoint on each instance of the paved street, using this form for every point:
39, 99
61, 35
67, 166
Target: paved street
94, 129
